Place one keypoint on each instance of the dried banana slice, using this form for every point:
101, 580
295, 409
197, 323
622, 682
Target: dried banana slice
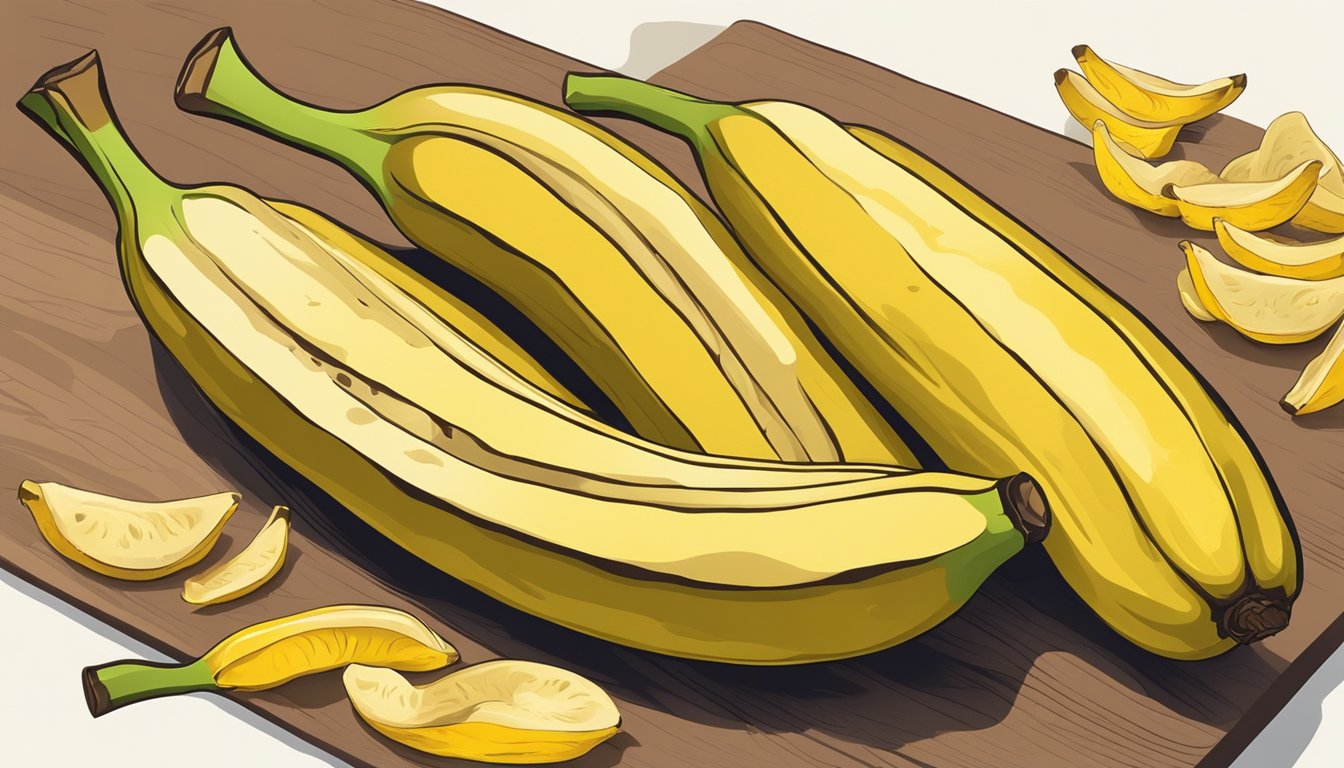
243, 573
1267, 308
1251, 205
134, 540
1321, 260
502, 711
1136, 181
1288, 142
1088, 106
1144, 96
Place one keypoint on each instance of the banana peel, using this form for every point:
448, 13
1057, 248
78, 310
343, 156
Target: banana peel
1289, 141
1266, 308
1321, 384
1150, 98
1321, 260
1250, 205
246, 571
1087, 105
1134, 180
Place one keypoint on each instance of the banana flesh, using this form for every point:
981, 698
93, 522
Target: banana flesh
246, 571
503, 711
132, 540
1251, 205
1288, 142
614, 259
1150, 139
1167, 523
1321, 384
1320, 260
1133, 180
1266, 308
1148, 97
517, 494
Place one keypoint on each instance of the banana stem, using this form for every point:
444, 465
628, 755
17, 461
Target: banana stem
71, 102
114, 685
216, 80
660, 107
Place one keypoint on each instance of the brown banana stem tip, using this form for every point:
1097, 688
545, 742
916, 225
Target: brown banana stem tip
80, 84
1024, 502
1254, 617
190, 90
95, 693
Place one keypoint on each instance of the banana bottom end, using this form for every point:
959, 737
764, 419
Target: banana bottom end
1025, 504
1254, 617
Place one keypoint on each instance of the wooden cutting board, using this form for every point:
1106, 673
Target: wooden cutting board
1025, 675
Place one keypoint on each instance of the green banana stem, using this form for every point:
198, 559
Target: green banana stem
663, 108
114, 685
217, 80
71, 102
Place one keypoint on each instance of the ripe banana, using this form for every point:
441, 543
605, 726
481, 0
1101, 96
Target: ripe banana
246, 571
1134, 180
1253, 205
1288, 142
1321, 384
274, 652
1143, 96
1150, 139
1002, 353
384, 405
1320, 260
133, 540
503, 711
605, 251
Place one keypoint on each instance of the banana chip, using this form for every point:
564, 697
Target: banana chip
1147, 97
1288, 142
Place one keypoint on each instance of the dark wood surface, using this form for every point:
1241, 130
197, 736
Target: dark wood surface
1023, 676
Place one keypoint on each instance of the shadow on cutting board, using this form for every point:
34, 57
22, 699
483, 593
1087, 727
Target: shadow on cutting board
965, 675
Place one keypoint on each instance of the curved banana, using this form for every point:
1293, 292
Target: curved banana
1143, 96
614, 259
1135, 181
274, 652
387, 408
1002, 353
1150, 139
1252, 205
1321, 383
1288, 142
1321, 260
247, 571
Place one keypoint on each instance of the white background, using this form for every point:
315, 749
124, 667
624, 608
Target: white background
1001, 54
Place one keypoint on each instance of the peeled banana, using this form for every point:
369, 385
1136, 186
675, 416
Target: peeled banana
274, 652
503, 711
465, 465
1150, 139
1251, 205
1321, 260
246, 571
1143, 96
133, 540
1135, 181
603, 249
1288, 142
1002, 353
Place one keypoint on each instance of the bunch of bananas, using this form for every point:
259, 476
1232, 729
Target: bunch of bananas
765, 512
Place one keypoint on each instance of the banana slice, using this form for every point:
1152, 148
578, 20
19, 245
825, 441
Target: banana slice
274, 652
1190, 299
499, 711
1251, 205
1288, 142
1143, 96
244, 572
1151, 139
1267, 308
1305, 261
133, 540
1321, 384
1136, 181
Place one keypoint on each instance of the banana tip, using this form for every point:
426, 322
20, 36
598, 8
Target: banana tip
1254, 617
1080, 50
1025, 503
1060, 76
189, 93
95, 693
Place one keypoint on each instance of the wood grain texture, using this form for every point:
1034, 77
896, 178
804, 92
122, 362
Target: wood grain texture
1023, 676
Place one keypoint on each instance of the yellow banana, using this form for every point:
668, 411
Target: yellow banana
1150, 139
1321, 384
133, 540
1143, 96
1288, 142
1251, 205
1002, 353
246, 571
389, 409
1135, 181
605, 251
274, 652
1320, 260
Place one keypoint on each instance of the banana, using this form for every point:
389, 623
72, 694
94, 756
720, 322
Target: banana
1266, 308
1321, 260
1185, 286
274, 652
1288, 142
390, 410
603, 249
246, 571
1252, 205
1135, 181
1321, 384
1147, 97
1001, 353
503, 711
132, 540
1150, 139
